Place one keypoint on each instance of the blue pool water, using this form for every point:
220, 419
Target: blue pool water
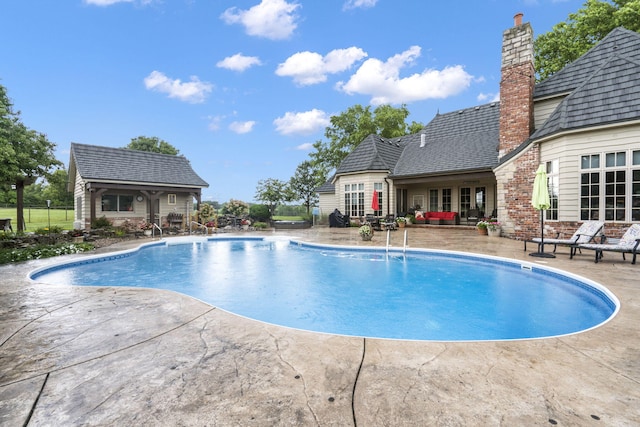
419, 295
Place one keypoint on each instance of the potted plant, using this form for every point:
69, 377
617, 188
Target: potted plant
366, 232
146, 227
401, 221
245, 224
410, 219
481, 226
493, 228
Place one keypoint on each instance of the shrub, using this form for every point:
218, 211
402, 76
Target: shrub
102, 222
260, 213
260, 225
54, 229
42, 251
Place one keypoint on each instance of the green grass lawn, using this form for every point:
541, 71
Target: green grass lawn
35, 218
287, 218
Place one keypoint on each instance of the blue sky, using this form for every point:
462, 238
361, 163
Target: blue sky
243, 88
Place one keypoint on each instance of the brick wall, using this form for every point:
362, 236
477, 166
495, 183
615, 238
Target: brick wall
515, 180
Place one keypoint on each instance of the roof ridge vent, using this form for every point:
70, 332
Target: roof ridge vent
423, 140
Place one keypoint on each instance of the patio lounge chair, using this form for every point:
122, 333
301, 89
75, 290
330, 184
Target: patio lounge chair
627, 244
586, 233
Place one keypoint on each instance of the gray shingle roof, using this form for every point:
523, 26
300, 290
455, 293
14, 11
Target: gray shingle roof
611, 94
620, 41
374, 153
123, 165
464, 140
327, 187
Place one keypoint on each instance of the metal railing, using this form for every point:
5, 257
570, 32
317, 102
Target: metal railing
153, 230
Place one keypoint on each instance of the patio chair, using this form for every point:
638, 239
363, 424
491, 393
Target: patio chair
586, 233
389, 222
627, 244
473, 216
374, 221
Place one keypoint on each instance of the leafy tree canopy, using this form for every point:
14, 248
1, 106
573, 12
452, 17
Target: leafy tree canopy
304, 182
569, 40
352, 126
25, 154
272, 192
152, 144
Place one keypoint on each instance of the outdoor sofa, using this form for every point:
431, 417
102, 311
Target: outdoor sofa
437, 218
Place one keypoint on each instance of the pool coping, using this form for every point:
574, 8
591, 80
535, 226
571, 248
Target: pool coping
94, 356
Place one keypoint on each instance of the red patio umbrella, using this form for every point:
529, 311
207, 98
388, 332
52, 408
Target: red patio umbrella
375, 205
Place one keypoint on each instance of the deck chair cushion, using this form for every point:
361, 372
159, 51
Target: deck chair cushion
584, 234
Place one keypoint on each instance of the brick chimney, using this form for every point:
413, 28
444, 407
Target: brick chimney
516, 86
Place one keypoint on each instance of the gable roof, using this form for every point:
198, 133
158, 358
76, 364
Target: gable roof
460, 141
121, 165
620, 41
610, 95
374, 153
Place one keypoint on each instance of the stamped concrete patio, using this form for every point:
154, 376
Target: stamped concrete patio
120, 356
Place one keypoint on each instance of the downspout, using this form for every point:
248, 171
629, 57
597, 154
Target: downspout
388, 196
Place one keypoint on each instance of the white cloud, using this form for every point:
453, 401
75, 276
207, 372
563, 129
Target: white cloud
308, 68
193, 91
354, 4
304, 123
492, 97
214, 122
272, 19
305, 147
238, 62
382, 80
242, 127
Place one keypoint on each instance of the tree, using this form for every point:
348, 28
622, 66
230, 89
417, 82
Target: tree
304, 182
25, 154
272, 192
237, 208
349, 128
153, 145
56, 189
569, 40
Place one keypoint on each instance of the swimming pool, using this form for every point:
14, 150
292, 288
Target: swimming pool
417, 295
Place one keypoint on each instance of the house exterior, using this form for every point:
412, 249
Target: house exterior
582, 123
130, 185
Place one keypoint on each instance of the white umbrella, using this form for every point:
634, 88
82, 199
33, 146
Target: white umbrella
540, 201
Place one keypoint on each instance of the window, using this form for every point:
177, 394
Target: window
446, 199
171, 199
465, 201
418, 202
614, 200
553, 183
611, 192
377, 187
433, 200
481, 199
117, 203
635, 186
354, 200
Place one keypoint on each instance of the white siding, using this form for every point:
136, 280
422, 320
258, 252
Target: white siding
368, 179
543, 109
569, 149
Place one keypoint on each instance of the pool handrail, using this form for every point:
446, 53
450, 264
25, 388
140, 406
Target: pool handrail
153, 230
197, 223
